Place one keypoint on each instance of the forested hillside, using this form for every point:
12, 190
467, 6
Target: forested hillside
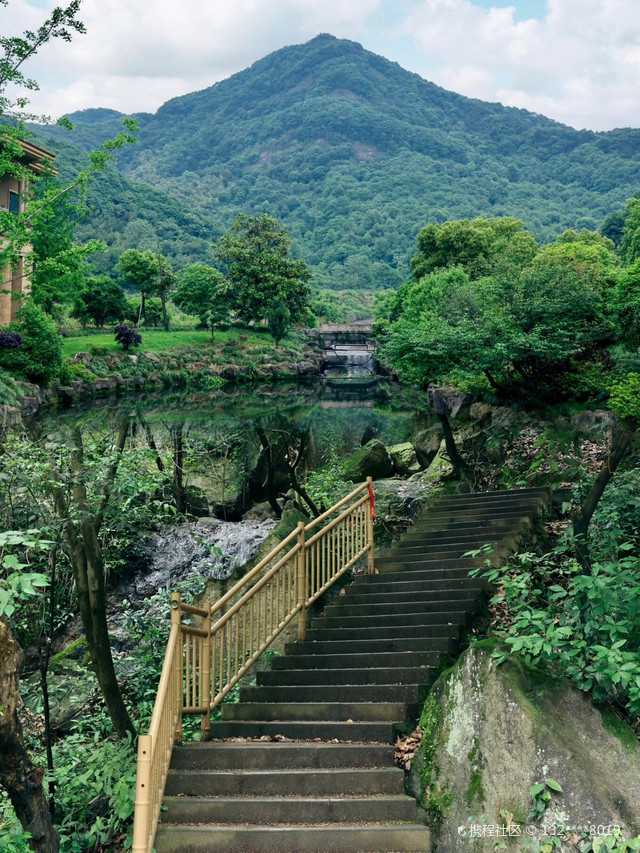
354, 154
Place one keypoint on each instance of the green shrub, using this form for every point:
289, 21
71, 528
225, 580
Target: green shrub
625, 397
39, 359
586, 626
9, 389
73, 372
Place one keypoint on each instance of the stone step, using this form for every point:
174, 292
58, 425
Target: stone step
441, 612
415, 563
402, 693
487, 515
290, 782
372, 631
370, 595
321, 648
397, 583
430, 581
450, 559
348, 660
345, 838
451, 542
305, 711
495, 508
278, 756
427, 595
462, 531
395, 563
534, 493
381, 732
370, 675
390, 808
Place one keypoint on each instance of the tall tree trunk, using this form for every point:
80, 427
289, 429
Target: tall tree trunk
152, 443
460, 467
583, 515
179, 494
293, 461
86, 558
269, 487
18, 775
165, 318
45, 654
142, 313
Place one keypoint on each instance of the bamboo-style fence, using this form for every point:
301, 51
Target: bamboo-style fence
203, 663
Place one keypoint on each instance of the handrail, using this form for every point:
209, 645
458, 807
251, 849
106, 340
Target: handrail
202, 664
154, 748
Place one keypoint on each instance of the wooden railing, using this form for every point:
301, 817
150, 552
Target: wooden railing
203, 662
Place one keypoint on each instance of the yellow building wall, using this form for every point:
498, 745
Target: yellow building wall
14, 281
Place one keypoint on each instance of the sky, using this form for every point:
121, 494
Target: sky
576, 61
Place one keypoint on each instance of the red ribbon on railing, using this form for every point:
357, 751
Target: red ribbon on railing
372, 501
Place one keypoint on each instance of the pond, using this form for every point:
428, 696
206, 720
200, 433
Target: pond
231, 459
219, 440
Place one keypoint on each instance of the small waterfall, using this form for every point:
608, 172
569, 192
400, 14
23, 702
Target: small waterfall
349, 360
208, 548
200, 550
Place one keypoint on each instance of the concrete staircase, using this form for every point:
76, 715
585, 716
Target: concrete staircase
343, 695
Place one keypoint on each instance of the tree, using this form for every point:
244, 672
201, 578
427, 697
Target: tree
203, 292
630, 244
151, 274
81, 522
627, 305
625, 402
57, 266
278, 320
16, 231
525, 328
613, 227
127, 337
101, 300
476, 245
260, 270
18, 775
39, 358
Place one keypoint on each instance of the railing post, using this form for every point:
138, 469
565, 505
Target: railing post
176, 619
205, 675
143, 793
370, 511
302, 592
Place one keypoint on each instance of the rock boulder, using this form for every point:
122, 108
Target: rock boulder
404, 459
491, 733
371, 460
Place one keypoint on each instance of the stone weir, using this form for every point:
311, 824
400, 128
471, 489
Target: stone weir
304, 762
347, 349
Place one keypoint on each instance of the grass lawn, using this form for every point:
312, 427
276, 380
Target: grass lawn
159, 341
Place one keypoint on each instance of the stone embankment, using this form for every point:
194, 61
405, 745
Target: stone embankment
88, 376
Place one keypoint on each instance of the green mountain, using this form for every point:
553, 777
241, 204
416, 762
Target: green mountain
354, 154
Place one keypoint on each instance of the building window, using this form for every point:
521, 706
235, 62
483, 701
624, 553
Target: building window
14, 202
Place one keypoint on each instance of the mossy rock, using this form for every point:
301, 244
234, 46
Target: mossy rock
491, 733
371, 460
404, 459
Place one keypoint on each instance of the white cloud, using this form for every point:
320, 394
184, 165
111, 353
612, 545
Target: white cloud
136, 54
579, 63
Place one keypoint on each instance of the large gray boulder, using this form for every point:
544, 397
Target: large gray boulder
372, 460
439, 467
593, 425
491, 733
404, 459
427, 444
